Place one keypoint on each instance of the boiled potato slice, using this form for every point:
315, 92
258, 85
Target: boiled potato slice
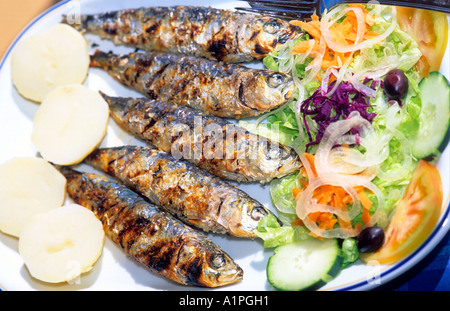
28, 186
42, 62
61, 244
70, 123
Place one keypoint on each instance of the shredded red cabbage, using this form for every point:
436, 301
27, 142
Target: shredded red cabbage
325, 110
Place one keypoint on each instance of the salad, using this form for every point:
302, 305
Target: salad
369, 118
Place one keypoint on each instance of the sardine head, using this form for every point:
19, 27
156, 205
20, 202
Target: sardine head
221, 270
276, 160
266, 34
208, 265
280, 84
252, 213
290, 162
280, 30
240, 214
277, 88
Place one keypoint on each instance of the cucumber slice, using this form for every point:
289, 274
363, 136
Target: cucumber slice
434, 132
307, 264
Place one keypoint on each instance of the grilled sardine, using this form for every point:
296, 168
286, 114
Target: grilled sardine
218, 34
216, 88
150, 236
211, 143
193, 195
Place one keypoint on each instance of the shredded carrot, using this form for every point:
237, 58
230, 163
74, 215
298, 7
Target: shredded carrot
295, 191
343, 33
316, 236
303, 182
338, 197
314, 216
326, 221
311, 160
304, 46
366, 203
365, 216
297, 222
358, 227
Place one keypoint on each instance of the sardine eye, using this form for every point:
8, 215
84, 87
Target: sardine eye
273, 154
275, 80
270, 150
281, 152
258, 212
217, 261
287, 154
272, 26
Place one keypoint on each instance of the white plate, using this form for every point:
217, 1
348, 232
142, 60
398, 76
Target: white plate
114, 271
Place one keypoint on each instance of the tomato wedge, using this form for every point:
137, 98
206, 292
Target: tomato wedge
414, 218
430, 30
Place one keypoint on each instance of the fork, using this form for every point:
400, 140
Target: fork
301, 9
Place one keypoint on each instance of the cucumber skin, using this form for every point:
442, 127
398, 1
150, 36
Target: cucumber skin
446, 138
445, 141
333, 272
432, 155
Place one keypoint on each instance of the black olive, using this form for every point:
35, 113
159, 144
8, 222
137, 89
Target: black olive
370, 239
395, 84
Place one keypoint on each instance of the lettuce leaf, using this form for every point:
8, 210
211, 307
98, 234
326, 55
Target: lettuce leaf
281, 192
273, 234
399, 50
270, 62
349, 251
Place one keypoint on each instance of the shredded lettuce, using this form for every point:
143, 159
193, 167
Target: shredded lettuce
281, 193
273, 234
406, 122
409, 124
399, 50
270, 62
349, 251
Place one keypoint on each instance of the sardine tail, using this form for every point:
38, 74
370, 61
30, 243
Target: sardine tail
67, 172
117, 105
100, 58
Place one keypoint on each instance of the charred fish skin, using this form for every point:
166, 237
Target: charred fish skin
216, 88
211, 143
206, 32
193, 195
150, 236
